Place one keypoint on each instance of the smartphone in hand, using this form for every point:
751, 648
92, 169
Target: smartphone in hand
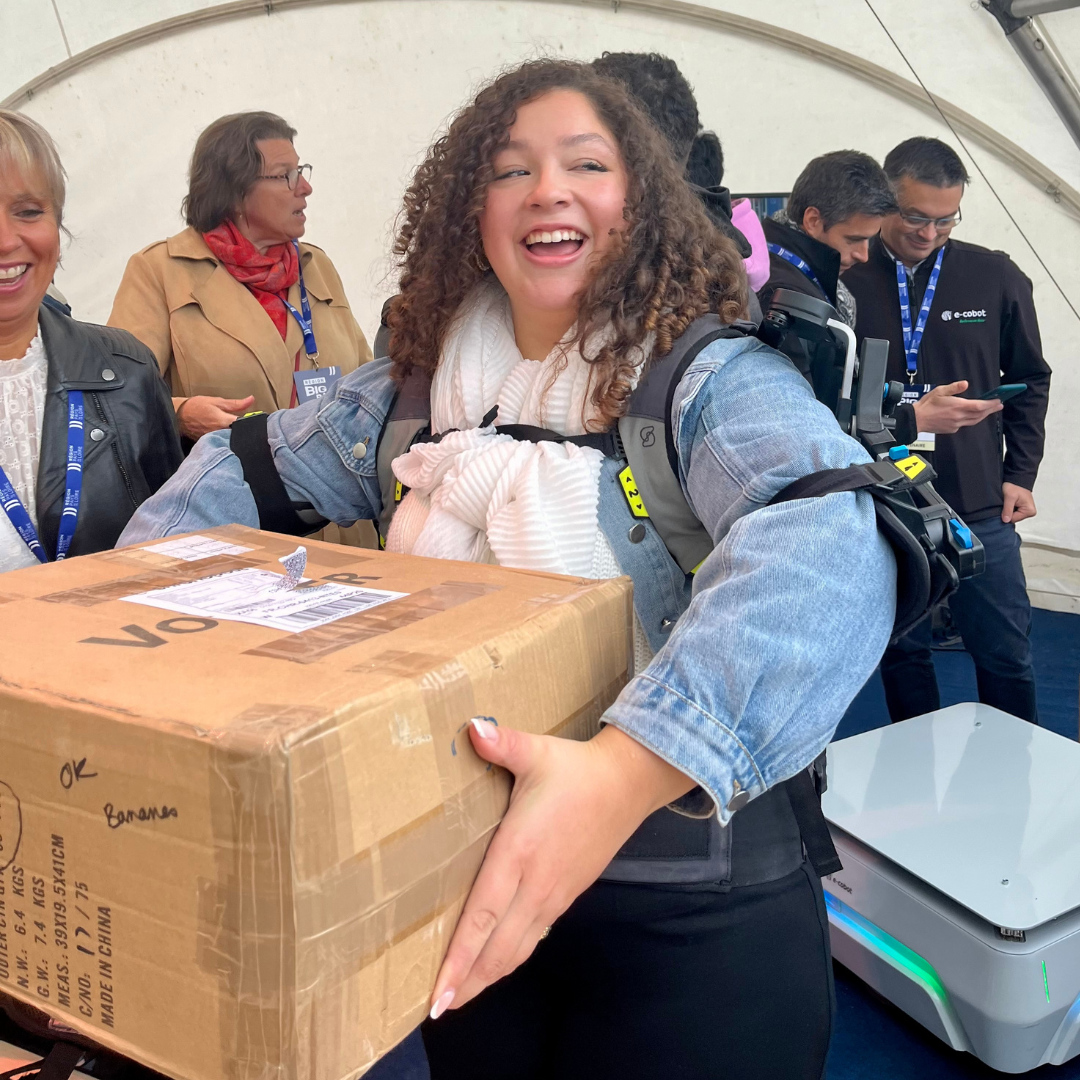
1003, 393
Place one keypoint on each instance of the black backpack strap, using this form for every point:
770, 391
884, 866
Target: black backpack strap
655, 393
58, 1064
867, 476
607, 442
825, 482
250, 443
814, 829
651, 479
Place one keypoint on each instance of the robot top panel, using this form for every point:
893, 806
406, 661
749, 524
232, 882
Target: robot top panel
976, 803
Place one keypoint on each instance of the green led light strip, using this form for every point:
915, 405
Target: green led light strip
1046, 984
911, 962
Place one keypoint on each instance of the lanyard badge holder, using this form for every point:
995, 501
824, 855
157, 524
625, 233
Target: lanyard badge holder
926, 441
913, 337
69, 517
303, 316
799, 264
309, 384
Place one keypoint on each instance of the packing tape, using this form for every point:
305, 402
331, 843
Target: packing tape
287, 952
333, 918
397, 664
244, 929
313, 645
181, 573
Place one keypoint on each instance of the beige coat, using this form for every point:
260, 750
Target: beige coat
211, 336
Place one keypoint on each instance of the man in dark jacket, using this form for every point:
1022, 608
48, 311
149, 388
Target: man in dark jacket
836, 206
961, 317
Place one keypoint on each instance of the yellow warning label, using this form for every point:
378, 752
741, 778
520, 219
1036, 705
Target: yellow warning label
397, 492
911, 466
633, 496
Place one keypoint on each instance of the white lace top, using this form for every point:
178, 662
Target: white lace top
22, 409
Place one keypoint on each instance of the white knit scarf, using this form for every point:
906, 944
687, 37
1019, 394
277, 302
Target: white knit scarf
478, 496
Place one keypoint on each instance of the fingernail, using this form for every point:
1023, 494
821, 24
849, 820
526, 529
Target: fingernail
442, 1004
484, 729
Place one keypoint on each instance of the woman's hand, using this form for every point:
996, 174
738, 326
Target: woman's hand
573, 806
199, 415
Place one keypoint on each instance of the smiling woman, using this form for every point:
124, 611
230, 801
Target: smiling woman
68, 389
552, 257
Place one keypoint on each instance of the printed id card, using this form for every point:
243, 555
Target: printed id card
913, 393
315, 384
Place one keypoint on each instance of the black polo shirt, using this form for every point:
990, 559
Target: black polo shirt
981, 327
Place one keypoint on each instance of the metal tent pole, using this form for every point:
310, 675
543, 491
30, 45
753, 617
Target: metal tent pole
1040, 55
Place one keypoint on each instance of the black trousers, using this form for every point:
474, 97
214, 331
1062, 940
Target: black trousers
640, 982
993, 615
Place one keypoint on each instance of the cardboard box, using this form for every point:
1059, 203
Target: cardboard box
229, 852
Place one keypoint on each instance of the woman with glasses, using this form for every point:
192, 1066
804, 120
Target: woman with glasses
238, 312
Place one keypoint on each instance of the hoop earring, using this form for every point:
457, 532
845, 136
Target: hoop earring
479, 261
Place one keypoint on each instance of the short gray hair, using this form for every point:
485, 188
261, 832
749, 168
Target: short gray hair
26, 146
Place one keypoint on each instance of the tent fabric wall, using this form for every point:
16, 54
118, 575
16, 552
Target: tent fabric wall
368, 82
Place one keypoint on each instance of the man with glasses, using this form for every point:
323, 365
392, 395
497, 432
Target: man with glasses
960, 318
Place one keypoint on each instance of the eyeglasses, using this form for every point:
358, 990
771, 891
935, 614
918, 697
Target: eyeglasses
920, 221
292, 176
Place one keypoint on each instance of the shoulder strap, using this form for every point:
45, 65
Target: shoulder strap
651, 478
828, 481
814, 829
924, 576
408, 421
249, 442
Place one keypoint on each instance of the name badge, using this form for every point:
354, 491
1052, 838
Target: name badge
315, 384
926, 439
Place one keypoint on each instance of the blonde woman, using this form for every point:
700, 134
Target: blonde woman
71, 393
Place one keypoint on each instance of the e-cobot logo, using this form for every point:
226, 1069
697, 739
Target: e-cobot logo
973, 314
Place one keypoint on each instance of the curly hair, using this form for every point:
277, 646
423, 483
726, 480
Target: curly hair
669, 266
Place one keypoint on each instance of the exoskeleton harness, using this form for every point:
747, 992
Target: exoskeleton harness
772, 834
933, 547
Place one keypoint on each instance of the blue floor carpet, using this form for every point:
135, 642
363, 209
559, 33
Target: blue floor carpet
872, 1040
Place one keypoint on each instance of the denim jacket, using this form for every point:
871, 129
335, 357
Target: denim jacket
759, 653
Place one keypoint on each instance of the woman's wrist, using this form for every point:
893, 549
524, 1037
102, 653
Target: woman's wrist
646, 777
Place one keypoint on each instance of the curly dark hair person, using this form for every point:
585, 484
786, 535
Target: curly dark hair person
670, 266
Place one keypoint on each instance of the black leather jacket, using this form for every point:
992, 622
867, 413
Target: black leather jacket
130, 442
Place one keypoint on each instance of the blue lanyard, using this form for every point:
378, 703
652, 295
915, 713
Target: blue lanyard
913, 338
69, 517
799, 264
303, 319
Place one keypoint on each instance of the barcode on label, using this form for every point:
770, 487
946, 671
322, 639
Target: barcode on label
335, 609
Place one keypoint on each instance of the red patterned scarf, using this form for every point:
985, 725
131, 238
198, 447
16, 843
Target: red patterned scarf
268, 276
